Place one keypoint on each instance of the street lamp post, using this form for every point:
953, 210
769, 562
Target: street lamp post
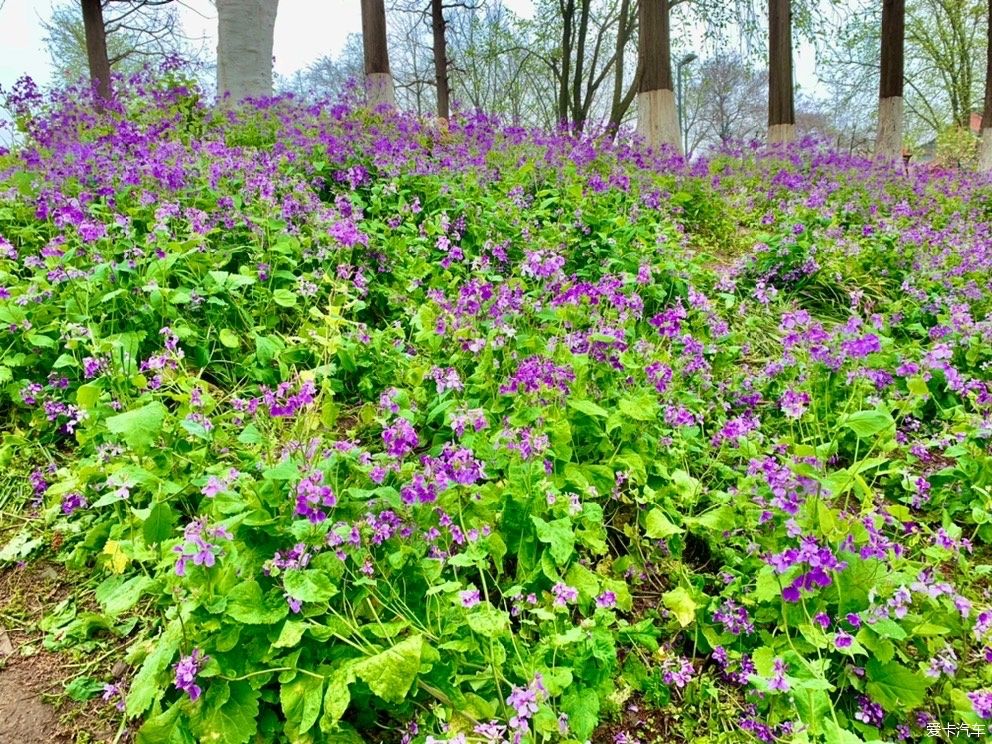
690, 57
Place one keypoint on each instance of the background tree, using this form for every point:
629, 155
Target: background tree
781, 97
985, 148
378, 80
245, 31
96, 48
888, 141
136, 34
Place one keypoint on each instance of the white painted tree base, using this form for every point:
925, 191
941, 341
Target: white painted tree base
379, 89
657, 119
780, 134
244, 48
985, 151
888, 140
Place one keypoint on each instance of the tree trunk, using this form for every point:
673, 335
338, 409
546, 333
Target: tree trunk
96, 49
985, 148
244, 48
440, 58
378, 80
567, 8
781, 103
657, 116
578, 112
888, 142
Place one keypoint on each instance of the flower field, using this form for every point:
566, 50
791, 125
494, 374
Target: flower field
371, 430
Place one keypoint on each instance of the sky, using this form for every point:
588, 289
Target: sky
305, 31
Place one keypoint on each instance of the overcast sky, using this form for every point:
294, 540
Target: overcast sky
305, 30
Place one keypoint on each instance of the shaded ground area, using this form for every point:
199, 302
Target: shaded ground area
34, 706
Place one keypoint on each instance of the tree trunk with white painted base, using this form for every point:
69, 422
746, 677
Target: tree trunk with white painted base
657, 115
244, 48
985, 147
781, 101
378, 80
888, 141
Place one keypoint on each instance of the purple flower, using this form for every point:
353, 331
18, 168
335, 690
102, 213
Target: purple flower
843, 640
981, 703
869, 712
186, 671
677, 670
778, 680
196, 547
793, 403
72, 501
564, 594
470, 597
114, 693
400, 438
607, 600
313, 497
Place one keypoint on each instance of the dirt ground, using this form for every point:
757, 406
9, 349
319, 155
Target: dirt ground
33, 706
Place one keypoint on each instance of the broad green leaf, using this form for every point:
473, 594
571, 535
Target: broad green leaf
146, 686
284, 298
681, 604
159, 523
309, 585
301, 701
390, 674
642, 408
138, 427
720, 519
228, 713
486, 620
895, 686
867, 424
582, 707
337, 698
558, 534
658, 527
120, 596
588, 408
291, 633
246, 604
165, 728
229, 338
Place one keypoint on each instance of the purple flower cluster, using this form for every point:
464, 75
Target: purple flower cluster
539, 374
196, 546
314, 497
186, 670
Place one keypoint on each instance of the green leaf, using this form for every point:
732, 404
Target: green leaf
337, 698
558, 534
642, 408
229, 338
165, 728
658, 527
867, 424
895, 686
291, 633
158, 524
301, 701
582, 707
391, 673
285, 470
682, 605
84, 688
720, 519
284, 298
309, 585
588, 408
228, 713
246, 604
486, 620
145, 687
138, 427
117, 596
836, 735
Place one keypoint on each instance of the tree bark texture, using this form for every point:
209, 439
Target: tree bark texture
440, 58
245, 30
781, 101
378, 80
985, 148
96, 48
888, 141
